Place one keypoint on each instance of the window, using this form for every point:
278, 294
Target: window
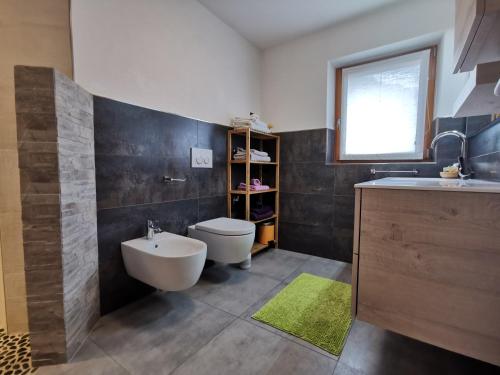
384, 108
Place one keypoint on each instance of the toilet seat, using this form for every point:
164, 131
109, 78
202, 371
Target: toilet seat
226, 227
228, 240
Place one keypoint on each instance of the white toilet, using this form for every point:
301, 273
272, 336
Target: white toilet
228, 240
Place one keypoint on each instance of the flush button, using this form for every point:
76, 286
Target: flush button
201, 158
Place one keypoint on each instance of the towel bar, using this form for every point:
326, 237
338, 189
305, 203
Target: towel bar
170, 179
375, 171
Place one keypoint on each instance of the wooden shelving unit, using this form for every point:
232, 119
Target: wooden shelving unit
270, 143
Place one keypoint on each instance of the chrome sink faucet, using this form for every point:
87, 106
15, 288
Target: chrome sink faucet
463, 172
153, 228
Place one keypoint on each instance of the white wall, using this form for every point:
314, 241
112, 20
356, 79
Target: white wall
297, 77
170, 55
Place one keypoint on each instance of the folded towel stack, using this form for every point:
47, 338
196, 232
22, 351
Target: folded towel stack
255, 155
261, 213
252, 122
255, 185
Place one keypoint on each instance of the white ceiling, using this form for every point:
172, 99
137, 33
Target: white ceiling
266, 23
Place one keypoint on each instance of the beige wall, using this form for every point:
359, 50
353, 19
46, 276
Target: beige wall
32, 32
170, 55
298, 76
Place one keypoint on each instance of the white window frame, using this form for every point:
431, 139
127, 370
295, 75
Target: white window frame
424, 58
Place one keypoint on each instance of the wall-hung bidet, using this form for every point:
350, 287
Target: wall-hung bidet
228, 240
168, 261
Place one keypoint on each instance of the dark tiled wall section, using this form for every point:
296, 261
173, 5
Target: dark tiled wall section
484, 150
317, 197
135, 147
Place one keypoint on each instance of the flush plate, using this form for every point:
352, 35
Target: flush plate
201, 158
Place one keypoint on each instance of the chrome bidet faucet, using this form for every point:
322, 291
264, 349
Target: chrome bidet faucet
153, 228
463, 172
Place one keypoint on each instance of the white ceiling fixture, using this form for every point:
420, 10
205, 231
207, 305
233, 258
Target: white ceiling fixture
266, 23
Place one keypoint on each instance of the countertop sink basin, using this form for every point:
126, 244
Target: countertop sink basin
443, 184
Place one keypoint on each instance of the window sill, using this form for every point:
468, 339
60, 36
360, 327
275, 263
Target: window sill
381, 162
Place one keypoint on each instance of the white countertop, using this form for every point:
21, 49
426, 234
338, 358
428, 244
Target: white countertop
439, 184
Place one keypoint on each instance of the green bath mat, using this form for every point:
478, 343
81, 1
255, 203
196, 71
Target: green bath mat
316, 309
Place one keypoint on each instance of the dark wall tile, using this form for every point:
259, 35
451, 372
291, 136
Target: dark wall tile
123, 180
349, 174
303, 146
307, 178
213, 136
307, 209
342, 244
307, 239
118, 289
486, 141
212, 181
475, 124
178, 167
451, 123
212, 207
176, 136
343, 212
330, 145
125, 129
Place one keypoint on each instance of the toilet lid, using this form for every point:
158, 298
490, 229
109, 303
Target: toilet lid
226, 226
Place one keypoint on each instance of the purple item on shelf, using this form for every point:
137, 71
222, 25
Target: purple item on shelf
242, 186
261, 213
261, 210
254, 216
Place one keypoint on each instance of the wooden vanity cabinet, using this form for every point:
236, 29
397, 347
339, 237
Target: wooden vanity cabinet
427, 265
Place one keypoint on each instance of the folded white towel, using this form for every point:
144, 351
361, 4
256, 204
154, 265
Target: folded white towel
254, 157
253, 122
242, 151
257, 152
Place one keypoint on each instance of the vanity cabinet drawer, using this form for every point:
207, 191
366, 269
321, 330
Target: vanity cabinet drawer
429, 267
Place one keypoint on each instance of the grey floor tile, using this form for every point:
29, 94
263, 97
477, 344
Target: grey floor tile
343, 369
243, 348
372, 351
158, 333
277, 264
247, 315
328, 268
294, 254
89, 360
230, 288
